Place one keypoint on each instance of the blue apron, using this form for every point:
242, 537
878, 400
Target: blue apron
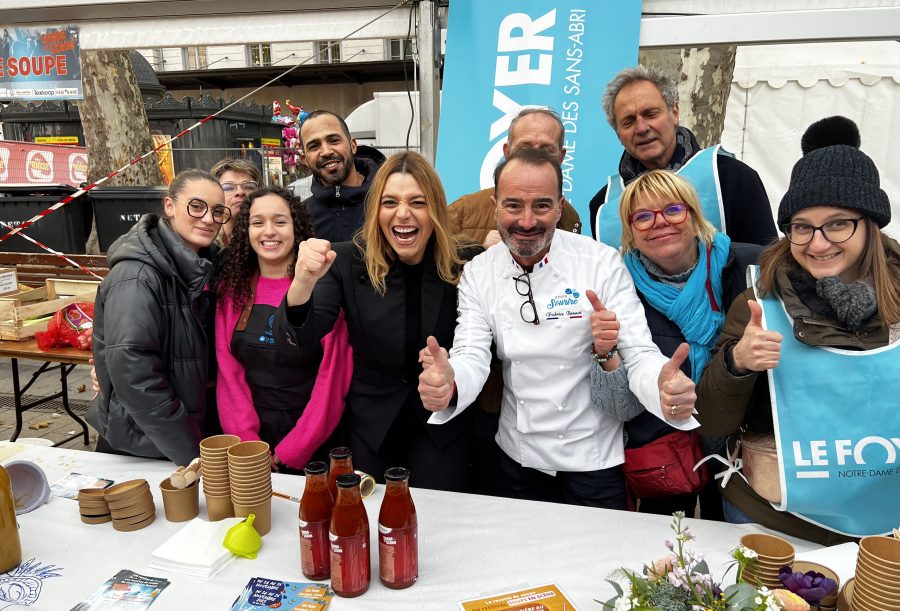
703, 173
837, 425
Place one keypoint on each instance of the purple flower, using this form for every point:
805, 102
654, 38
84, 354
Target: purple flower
810, 586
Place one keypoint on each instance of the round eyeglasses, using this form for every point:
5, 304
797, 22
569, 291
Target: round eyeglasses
198, 208
673, 214
247, 186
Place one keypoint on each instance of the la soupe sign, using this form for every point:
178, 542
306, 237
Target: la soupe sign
40, 64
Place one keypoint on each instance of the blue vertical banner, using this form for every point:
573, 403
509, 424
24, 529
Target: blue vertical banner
505, 55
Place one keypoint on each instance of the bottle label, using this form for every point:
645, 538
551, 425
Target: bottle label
398, 554
314, 549
350, 567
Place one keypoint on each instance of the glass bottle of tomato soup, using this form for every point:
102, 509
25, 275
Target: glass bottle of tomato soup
351, 570
398, 538
315, 519
341, 462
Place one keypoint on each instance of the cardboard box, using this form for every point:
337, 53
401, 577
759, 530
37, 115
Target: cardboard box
24, 313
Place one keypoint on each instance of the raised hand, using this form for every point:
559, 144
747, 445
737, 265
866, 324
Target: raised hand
604, 326
314, 259
436, 380
758, 349
676, 390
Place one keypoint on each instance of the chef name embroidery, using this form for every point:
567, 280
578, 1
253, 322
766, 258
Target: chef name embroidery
564, 305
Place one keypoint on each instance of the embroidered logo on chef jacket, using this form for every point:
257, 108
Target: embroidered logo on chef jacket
564, 305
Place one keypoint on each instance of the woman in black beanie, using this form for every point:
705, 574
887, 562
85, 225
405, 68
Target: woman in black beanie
822, 319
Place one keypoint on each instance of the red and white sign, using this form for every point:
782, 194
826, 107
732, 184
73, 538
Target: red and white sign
41, 164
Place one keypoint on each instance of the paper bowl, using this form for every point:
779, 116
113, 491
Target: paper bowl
883, 551
770, 548
29, 485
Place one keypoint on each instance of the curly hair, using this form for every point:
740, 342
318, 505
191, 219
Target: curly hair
242, 261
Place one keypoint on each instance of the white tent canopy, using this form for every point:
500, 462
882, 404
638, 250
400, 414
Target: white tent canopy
779, 90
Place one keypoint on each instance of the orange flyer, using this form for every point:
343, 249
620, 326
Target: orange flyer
541, 598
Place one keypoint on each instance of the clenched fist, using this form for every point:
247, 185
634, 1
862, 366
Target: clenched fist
314, 259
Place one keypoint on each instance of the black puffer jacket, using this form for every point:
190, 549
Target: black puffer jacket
150, 347
337, 211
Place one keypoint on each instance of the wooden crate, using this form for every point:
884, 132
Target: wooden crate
26, 312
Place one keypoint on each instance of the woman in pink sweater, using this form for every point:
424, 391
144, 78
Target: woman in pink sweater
291, 401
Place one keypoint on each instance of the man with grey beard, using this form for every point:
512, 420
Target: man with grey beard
557, 305
342, 173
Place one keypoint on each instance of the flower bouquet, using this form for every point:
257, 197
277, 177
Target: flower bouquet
680, 581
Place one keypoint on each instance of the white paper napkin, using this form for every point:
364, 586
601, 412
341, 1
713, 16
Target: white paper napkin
196, 549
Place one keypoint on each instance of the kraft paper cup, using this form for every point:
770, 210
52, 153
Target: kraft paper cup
251, 499
873, 599
219, 507
877, 584
218, 444
263, 513
883, 551
868, 566
180, 504
248, 452
769, 548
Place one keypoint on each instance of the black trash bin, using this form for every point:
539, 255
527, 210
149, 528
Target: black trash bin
62, 230
117, 209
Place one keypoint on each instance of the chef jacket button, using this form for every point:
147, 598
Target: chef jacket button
521, 402
562, 367
560, 408
558, 324
560, 436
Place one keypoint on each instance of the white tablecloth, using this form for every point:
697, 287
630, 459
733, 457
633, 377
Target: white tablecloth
469, 545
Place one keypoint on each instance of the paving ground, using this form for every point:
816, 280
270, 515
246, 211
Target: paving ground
49, 420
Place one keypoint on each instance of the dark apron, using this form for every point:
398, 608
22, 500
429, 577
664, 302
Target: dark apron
280, 381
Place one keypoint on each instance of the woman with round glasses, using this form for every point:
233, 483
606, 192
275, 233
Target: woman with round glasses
822, 320
238, 179
396, 284
686, 274
151, 348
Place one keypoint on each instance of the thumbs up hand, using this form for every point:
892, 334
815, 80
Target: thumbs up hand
758, 349
604, 326
676, 390
436, 380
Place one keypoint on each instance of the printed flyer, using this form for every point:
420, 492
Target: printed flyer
261, 593
541, 598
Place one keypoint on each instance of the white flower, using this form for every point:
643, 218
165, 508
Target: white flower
623, 603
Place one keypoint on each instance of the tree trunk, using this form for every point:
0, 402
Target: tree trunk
115, 123
704, 79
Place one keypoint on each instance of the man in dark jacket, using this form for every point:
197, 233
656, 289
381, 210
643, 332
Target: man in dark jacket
342, 174
641, 105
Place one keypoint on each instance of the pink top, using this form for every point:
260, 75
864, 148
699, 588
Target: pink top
237, 413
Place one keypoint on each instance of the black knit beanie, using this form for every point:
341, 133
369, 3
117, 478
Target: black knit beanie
834, 172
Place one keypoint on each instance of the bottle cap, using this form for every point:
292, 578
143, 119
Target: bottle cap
316, 467
347, 480
396, 474
339, 453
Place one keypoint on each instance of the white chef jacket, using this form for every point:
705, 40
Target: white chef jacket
547, 420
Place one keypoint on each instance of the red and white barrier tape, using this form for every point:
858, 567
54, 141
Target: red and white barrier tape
83, 190
55, 252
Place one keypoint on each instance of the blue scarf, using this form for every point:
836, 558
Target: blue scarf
689, 307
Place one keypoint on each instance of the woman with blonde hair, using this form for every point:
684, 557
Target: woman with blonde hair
807, 363
686, 274
396, 283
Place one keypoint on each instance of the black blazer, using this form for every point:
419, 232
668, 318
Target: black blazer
382, 382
